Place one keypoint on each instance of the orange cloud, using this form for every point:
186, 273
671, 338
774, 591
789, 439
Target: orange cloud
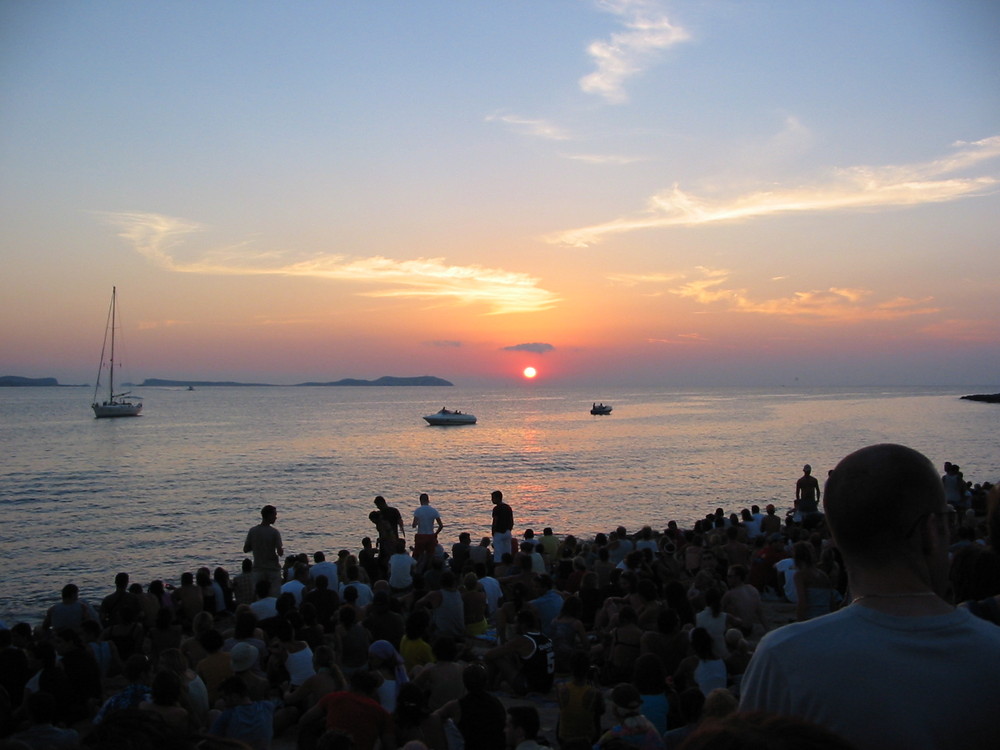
159, 238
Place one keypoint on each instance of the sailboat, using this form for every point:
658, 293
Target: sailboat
116, 404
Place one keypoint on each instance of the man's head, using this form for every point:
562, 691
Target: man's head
807, 469
878, 501
424, 499
497, 497
268, 514
380, 502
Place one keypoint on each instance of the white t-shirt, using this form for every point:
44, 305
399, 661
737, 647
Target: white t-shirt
787, 566
883, 681
425, 516
401, 570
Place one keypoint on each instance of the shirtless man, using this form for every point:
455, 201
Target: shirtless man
807, 494
264, 541
742, 601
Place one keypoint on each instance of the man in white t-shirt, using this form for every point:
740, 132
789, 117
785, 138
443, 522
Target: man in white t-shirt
427, 522
900, 667
323, 567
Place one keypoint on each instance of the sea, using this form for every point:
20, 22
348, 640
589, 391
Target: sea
178, 487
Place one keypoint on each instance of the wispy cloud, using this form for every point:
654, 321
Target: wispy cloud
537, 348
532, 127
627, 53
681, 339
160, 239
633, 279
615, 160
850, 188
840, 305
710, 287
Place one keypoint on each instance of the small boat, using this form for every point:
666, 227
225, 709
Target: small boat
449, 417
190, 387
600, 409
116, 404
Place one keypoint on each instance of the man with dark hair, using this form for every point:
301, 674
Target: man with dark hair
355, 712
427, 522
389, 525
502, 527
264, 541
119, 598
323, 567
900, 666
70, 612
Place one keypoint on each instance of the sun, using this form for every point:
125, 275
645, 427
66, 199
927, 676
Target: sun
530, 372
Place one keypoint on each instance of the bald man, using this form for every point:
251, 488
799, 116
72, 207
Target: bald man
900, 667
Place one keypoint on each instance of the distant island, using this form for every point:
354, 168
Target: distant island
389, 380
989, 398
16, 381
386, 380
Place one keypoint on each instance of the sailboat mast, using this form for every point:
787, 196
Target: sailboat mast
111, 376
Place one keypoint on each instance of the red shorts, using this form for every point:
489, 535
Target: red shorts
424, 543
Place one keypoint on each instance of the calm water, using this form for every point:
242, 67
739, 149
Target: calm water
178, 487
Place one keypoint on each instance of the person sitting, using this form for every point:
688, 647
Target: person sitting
243, 719
165, 701
815, 594
523, 725
71, 612
386, 662
631, 726
416, 651
355, 711
136, 671
216, 667
581, 704
42, 732
650, 679
703, 669
442, 680
526, 661
478, 717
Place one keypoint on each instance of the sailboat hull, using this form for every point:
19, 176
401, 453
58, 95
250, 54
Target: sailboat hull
106, 410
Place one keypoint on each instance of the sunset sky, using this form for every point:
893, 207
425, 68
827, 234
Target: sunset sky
621, 192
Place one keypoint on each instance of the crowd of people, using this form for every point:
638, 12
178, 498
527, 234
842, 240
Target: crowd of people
650, 638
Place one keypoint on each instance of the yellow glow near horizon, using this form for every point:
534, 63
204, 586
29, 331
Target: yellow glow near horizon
530, 372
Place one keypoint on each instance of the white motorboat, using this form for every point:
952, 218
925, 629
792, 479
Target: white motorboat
448, 417
116, 404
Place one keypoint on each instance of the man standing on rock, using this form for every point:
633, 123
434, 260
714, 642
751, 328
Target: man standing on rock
427, 522
502, 527
389, 524
264, 541
807, 496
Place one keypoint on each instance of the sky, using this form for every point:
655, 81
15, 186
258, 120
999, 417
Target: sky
615, 192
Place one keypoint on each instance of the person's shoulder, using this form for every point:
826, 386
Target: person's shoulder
817, 629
